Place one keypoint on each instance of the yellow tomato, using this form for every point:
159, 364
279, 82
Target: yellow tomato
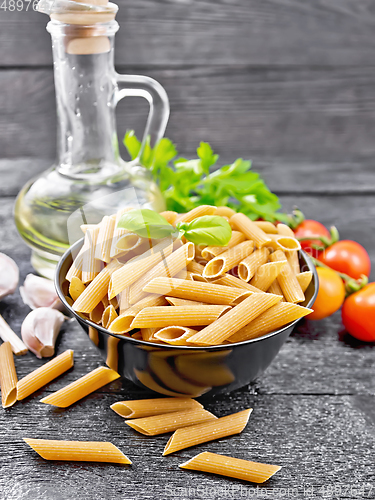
331, 294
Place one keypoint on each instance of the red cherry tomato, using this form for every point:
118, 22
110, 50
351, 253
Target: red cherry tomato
331, 294
310, 228
358, 314
347, 257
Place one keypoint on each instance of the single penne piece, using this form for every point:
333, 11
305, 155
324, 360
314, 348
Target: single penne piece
195, 290
274, 318
230, 280
231, 467
139, 408
104, 242
207, 431
96, 290
8, 335
90, 265
284, 230
109, 315
235, 319
175, 335
195, 267
128, 241
76, 287
206, 368
169, 422
123, 300
76, 267
242, 223
266, 274
197, 212
275, 288
44, 374
284, 243
122, 323
159, 364
151, 317
81, 387
211, 252
266, 226
8, 376
78, 451
148, 334
169, 216
96, 314
120, 232
225, 212
168, 267
247, 268
174, 301
292, 257
304, 280
227, 260
287, 280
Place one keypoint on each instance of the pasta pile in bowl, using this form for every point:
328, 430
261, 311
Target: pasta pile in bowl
181, 316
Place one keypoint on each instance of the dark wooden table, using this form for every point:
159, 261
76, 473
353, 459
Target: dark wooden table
314, 408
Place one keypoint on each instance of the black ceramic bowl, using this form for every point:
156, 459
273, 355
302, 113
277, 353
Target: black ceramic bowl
184, 370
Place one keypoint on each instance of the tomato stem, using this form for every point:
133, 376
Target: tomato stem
351, 285
326, 241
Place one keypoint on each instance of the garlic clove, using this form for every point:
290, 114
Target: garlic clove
9, 275
40, 330
39, 292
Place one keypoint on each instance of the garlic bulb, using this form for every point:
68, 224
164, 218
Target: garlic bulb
9, 275
40, 330
39, 292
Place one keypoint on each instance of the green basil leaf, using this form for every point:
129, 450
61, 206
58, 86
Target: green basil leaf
209, 229
146, 223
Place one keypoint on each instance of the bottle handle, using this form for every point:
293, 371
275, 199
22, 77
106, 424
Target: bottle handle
154, 93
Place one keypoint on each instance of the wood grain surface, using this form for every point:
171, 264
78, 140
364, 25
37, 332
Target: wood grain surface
313, 408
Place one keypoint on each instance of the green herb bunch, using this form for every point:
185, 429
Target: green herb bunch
186, 184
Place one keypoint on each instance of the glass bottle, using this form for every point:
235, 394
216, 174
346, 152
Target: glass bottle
88, 171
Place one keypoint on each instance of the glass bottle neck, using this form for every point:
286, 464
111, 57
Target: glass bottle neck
85, 85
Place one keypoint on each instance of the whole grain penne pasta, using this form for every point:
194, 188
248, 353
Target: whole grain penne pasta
164, 372
235, 319
211, 252
78, 451
76, 287
266, 274
206, 368
242, 223
275, 288
207, 431
169, 422
193, 290
109, 315
230, 280
266, 226
169, 216
130, 272
274, 318
90, 265
122, 323
304, 280
148, 334
175, 335
96, 314
225, 212
180, 316
81, 387
284, 243
123, 300
44, 374
287, 280
168, 267
139, 408
184, 275
174, 301
120, 232
8, 376
195, 267
231, 467
105, 236
291, 256
76, 267
247, 267
96, 290
227, 260
197, 212
8, 335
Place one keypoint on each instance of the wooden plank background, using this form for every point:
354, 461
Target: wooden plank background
270, 79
